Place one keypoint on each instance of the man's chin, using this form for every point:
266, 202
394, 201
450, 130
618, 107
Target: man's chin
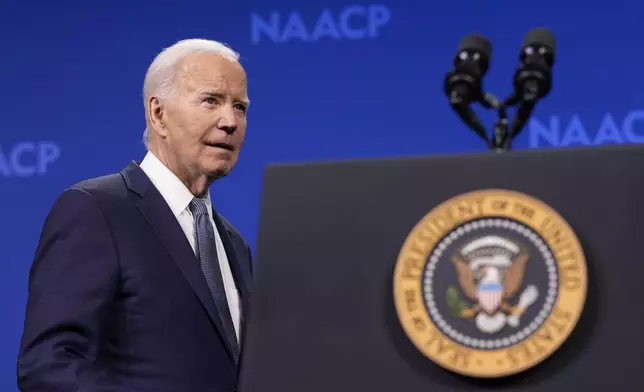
220, 171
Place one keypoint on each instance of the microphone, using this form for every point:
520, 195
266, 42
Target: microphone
533, 77
463, 84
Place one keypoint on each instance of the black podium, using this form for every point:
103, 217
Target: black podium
324, 315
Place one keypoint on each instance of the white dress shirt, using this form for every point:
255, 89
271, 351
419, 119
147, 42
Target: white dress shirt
178, 197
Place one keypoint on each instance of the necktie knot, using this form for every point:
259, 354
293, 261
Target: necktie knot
197, 207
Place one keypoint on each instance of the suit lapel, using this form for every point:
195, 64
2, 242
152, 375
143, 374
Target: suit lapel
161, 219
240, 269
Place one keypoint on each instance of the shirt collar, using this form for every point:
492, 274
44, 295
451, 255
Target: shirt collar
175, 193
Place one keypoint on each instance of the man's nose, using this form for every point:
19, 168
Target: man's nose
228, 121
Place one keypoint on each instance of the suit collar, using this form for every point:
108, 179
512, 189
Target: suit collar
135, 179
138, 182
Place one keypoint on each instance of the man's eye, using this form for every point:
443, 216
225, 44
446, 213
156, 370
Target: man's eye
210, 101
241, 108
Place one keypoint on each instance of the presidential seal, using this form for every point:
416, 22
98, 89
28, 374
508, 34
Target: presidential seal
490, 283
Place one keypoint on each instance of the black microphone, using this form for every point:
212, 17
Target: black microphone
533, 77
463, 84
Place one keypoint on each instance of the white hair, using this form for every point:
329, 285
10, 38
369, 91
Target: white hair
159, 79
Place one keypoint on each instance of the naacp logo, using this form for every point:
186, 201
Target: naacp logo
490, 283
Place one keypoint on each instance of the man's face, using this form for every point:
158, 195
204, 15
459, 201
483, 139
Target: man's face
206, 119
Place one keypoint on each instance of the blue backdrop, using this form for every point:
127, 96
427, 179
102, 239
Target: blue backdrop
327, 80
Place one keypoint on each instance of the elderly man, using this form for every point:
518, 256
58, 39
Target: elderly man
138, 284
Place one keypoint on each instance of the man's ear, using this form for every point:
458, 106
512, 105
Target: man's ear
156, 114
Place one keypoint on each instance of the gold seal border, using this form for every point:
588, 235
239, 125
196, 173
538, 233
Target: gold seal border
480, 204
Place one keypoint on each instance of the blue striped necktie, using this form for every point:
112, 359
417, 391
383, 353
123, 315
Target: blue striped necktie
207, 255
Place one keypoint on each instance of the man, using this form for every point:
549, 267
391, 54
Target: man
138, 284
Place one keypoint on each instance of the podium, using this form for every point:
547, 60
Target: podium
382, 274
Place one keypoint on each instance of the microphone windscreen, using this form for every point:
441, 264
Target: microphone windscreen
541, 36
478, 43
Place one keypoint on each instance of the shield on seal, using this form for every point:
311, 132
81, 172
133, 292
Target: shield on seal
489, 296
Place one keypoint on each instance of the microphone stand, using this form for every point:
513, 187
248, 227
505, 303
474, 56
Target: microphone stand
505, 132
500, 139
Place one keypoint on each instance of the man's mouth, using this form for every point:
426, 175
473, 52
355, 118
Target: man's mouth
224, 146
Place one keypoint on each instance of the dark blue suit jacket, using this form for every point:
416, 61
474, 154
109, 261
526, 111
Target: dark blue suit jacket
117, 301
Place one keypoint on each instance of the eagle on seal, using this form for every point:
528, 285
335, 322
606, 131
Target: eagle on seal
491, 271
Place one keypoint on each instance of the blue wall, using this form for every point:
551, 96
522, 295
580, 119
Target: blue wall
367, 82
